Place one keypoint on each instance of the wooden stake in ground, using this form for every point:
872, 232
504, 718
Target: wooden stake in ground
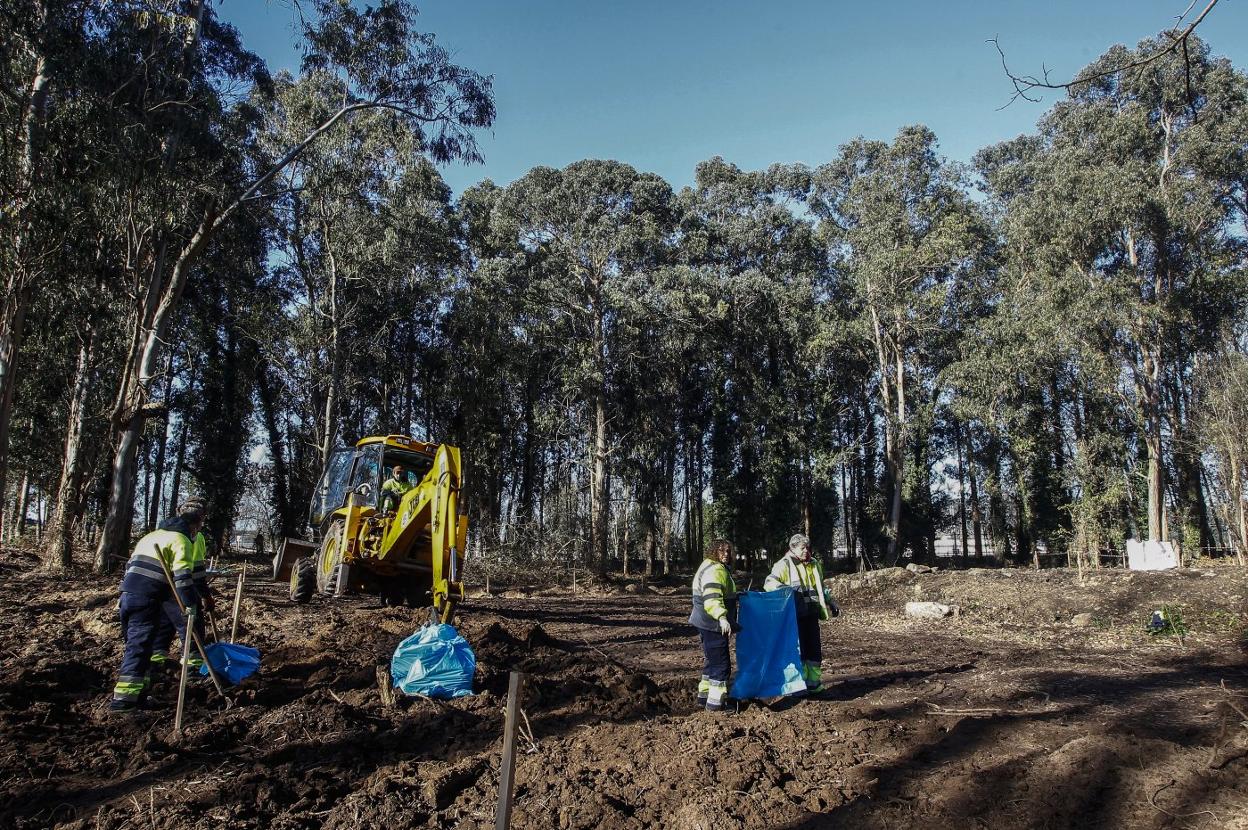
507, 769
186, 670
385, 685
238, 604
212, 623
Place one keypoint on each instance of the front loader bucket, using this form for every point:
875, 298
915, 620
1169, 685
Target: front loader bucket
288, 552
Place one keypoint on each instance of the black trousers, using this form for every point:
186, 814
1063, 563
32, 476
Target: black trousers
808, 639
173, 621
717, 661
139, 618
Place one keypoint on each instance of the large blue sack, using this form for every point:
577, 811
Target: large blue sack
233, 662
768, 661
435, 662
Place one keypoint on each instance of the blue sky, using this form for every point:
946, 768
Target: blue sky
664, 85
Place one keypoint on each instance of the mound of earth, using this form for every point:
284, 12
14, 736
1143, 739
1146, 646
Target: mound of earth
1006, 717
1212, 603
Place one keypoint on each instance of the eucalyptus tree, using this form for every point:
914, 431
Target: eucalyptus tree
744, 228
1117, 212
380, 63
43, 53
900, 230
585, 230
1222, 390
364, 240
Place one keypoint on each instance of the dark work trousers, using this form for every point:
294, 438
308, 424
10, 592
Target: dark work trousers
808, 638
139, 617
173, 621
717, 662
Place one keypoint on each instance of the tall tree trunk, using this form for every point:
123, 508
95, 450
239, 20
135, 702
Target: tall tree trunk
329, 417
957, 437
667, 511
21, 504
162, 443
896, 460
179, 463
599, 493
977, 524
287, 523
805, 485
20, 279
1150, 401
58, 556
846, 501
1237, 495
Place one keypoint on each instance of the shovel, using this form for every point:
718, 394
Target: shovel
190, 629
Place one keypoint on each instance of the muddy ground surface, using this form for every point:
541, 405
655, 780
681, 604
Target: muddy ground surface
1006, 716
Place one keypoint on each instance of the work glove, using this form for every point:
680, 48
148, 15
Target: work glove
207, 601
725, 627
834, 610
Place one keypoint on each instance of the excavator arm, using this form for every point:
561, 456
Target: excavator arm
432, 507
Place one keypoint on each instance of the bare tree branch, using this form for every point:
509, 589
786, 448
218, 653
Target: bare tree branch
1026, 85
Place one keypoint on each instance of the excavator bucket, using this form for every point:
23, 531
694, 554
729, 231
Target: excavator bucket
288, 552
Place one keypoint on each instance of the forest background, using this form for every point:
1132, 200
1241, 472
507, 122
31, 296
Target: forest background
215, 274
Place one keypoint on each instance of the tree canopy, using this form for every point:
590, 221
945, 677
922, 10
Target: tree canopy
216, 275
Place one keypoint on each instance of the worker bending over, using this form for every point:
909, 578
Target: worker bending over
797, 570
144, 587
172, 620
715, 616
394, 488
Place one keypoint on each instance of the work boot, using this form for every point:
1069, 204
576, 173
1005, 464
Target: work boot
717, 697
123, 706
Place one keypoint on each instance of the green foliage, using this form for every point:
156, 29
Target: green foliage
869, 350
1167, 622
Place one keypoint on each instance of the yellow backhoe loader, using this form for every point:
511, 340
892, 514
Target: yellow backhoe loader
408, 548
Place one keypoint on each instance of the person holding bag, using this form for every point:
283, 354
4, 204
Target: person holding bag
799, 571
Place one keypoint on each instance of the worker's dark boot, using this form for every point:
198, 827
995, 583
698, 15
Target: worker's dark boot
123, 706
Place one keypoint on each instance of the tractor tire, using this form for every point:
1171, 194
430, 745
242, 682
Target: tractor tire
329, 560
302, 580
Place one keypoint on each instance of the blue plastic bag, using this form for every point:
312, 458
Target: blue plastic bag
233, 662
769, 663
435, 662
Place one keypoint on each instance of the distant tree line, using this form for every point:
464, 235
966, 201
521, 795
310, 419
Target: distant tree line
215, 275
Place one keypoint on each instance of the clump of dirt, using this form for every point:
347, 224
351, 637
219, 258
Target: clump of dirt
560, 675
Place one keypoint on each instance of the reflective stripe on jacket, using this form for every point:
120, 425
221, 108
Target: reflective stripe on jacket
714, 596
806, 580
144, 574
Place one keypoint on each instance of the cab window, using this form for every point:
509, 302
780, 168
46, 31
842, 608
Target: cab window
331, 493
366, 472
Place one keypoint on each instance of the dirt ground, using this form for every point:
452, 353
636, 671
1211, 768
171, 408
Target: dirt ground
1005, 716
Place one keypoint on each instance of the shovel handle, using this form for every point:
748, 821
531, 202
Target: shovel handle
190, 628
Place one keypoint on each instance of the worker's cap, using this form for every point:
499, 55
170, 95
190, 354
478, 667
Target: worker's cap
193, 509
797, 540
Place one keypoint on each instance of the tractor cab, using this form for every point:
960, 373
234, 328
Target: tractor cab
360, 471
